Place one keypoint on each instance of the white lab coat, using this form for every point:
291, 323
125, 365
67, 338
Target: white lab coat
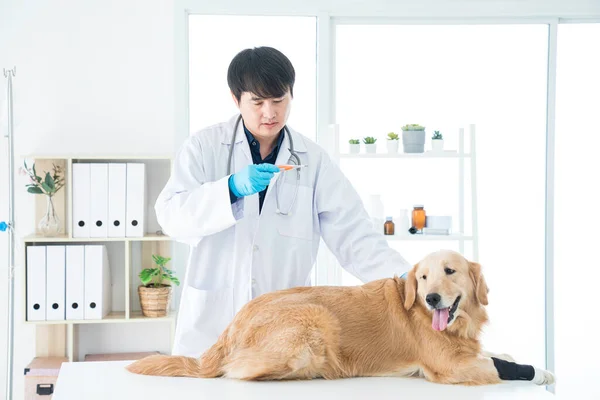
236, 253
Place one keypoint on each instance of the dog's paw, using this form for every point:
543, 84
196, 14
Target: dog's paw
543, 377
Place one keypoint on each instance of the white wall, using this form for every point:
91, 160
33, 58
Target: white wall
98, 77
92, 77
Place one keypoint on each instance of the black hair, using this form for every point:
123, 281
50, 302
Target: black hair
263, 71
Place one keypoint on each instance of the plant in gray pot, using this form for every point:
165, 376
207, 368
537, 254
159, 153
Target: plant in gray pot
413, 138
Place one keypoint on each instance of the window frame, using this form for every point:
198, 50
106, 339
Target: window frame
338, 13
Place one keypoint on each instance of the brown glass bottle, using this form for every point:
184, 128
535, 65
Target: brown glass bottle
418, 217
388, 227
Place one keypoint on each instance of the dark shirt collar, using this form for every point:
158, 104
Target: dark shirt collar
255, 145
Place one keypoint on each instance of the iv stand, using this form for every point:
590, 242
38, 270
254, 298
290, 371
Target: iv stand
10, 74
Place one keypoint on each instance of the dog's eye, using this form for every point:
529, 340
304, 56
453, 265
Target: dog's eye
449, 271
424, 277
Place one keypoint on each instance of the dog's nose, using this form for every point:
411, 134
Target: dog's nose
433, 299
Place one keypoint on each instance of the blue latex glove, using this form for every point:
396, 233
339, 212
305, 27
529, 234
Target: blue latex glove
252, 179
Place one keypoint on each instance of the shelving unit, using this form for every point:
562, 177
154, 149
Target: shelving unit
129, 254
453, 236
459, 155
427, 154
65, 238
112, 317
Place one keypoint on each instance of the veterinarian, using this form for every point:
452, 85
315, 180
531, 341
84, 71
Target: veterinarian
252, 227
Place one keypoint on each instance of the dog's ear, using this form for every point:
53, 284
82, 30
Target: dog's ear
479, 284
410, 288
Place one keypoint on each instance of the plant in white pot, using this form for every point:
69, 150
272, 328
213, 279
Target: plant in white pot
354, 146
370, 145
413, 138
155, 294
437, 142
392, 143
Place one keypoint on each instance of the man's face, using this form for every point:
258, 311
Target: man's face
264, 118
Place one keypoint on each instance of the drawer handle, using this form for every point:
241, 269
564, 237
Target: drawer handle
45, 389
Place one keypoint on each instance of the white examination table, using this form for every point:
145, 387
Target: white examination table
108, 380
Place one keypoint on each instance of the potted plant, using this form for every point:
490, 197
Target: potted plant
50, 224
354, 146
155, 294
413, 138
392, 143
437, 141
370, 145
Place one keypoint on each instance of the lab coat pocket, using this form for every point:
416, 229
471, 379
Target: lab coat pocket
203, 316
299, 222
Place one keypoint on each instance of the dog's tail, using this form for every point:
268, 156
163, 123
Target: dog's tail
208, 366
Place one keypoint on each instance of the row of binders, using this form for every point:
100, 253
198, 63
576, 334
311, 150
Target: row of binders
67, 282
109, 199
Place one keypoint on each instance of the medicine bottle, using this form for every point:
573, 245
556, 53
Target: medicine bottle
418, 217
388, 227
403, 222
376, 210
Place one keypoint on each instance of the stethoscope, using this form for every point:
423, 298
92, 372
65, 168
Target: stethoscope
294, 160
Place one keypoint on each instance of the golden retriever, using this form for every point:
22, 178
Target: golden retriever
427, 325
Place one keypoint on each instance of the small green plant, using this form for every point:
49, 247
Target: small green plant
393, 136
51, 183
437, 135
413, 127
354, 141
369, 140
154, 277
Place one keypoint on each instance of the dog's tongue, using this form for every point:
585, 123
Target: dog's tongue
440, 319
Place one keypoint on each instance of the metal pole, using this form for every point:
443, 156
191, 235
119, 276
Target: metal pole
11, 238
550, 189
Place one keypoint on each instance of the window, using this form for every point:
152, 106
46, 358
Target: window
210, 99
577, 271
445, 77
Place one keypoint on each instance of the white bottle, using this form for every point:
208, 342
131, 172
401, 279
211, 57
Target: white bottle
376, 211
402, 223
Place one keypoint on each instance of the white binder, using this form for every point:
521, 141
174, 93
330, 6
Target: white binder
99, 200
96, 277
74, 300
136, 200
55, 283
81, 200
117, 186
36, 283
